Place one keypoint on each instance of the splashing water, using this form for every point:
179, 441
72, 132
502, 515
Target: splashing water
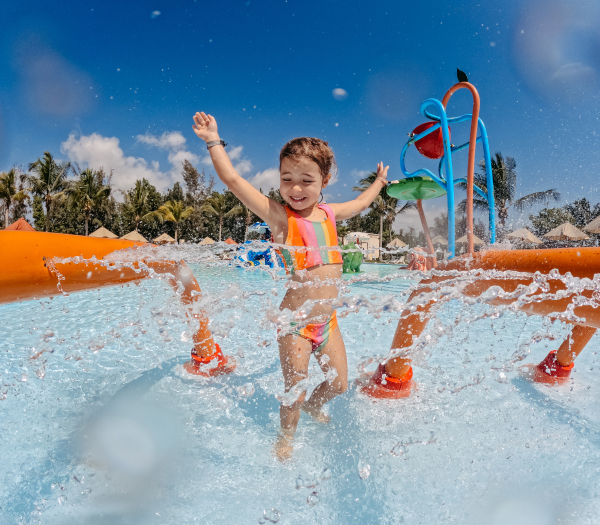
100, 420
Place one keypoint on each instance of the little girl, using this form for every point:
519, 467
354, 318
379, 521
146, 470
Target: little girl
305, 166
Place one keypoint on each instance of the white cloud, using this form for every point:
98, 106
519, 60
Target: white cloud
96, 151
266, 179
172, 140
235, 153
359, 174
339, 94
242, 167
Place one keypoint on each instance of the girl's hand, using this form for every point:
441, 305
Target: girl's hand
382, 173
205, 126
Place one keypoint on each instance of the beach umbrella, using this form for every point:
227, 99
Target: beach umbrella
207, 240
566, 232
438, 239
134, 236
20, 225
476, 240
593, 227
164, 238
230, 241
525, 235
103, 233
396, 243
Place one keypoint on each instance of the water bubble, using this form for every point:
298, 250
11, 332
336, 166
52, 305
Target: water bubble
502, 378
326, 474
364, 469
398, 450
299, 482
240, 352
40, 373
313, 499
62, 500
429, 419
311, 483
272, 516
245, 390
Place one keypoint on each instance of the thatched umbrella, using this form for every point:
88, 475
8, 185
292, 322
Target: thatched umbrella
134, 236
164, 239
476, 240
593, 227
438, 239
103, 233
207, 240
524, 235
21, 225
396, 243
566, 232
230, 241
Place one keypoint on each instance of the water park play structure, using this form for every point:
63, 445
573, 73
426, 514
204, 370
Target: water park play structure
47, 264
40, 265
505, 275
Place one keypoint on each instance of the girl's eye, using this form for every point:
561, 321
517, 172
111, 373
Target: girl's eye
307, 182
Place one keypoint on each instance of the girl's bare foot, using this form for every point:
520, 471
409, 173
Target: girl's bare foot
283, 447
316, 413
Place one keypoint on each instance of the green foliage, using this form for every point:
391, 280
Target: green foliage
89, 195
175, 212
549, 218
139, 211
48, 180
582, 212
39, 217
504, 176
9, 193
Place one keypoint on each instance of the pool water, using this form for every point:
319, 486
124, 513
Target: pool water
100, 424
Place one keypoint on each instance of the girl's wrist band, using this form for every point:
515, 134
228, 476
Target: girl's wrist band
215, 143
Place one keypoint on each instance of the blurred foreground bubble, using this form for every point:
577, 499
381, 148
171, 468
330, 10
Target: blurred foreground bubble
521, 512
555, 46
136, 445
364, 469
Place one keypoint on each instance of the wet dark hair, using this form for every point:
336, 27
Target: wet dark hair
311, 148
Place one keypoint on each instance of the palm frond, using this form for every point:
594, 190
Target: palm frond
539, 197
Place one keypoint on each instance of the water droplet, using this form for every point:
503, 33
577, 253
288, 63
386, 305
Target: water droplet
272, 515
245, 390
240, 352
527, 445
313, 499
398, 450
326, 474
62, 499
364, 469
299, 482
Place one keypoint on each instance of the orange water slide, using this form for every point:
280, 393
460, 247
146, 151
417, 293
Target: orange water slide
583, 263
29, 270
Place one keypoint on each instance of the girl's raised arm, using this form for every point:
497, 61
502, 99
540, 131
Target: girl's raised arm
205, 126
346, 210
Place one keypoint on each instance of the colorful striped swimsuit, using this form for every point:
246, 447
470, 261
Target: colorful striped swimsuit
314, 236
317, 237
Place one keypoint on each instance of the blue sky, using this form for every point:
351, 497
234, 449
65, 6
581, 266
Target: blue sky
115, 83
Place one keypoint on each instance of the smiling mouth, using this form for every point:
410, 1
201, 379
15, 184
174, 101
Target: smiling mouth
297, 199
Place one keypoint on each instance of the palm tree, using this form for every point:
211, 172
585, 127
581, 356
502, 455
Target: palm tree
504, 176
342, 231
49, 181
175, 211
136, 204
9, 192
383, 209
89, 192
216, 206
385, 206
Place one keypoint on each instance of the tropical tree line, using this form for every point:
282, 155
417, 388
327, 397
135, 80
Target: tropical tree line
60, 197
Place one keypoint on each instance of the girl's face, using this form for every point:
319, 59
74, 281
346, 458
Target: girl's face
300, 182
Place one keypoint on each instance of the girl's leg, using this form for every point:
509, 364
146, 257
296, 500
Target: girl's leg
332, 357
294, 354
